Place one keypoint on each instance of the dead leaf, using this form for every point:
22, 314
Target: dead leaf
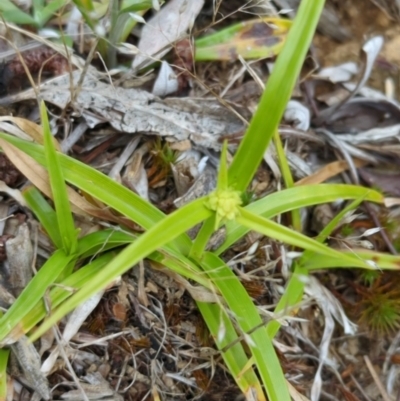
297, 115
74, 323
391, 8
123, 158
181, 146
13, 193
33, 130
339, 73
384, 179
389, 202
131, 110
203, 185
363, 114
46, 341
39, 177
119, 311
347, 395
135, 176
295, 394
166, 27
328, 171
19, 259
29, 360
97, 388
252, 39
329, 116
166, 82
186, 170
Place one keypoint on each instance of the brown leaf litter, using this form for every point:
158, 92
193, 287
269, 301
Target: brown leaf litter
145, 339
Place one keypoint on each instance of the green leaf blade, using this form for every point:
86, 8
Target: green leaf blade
4, 354
233, 355
58, 187
59, 293
156, 237
45, 214
49, 11
251, 324
277, 231
296, 198
276, 95
102, 188
34, 292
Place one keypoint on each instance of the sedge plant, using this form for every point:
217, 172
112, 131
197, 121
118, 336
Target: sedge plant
244, 38
41, 12
232, 315
122, 17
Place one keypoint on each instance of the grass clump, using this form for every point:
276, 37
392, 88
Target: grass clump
379, 303
231, 316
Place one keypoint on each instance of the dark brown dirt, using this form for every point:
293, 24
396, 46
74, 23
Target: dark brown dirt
363, 22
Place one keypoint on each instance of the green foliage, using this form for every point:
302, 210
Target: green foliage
254, 39
163, 158
346, 230
65, 220
247, 197
162, 229
276, 95
4, 354
164, 153
121, 17
369, 276
42, 12
232, 316
44, 213
379, 305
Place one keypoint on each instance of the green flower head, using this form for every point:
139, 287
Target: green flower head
225, 202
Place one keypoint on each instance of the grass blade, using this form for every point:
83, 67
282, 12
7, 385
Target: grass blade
103, 188
233, 355
367, 260
43, 15
4, 353
251, 324
277, 231
65, 219
166, 230
44, 213
86, 7
296, 198
103, 240
11, 13
58, 294
33, 292
287, 177
276, 95
295, 288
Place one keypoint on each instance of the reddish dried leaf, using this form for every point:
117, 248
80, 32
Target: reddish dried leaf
119, 311
347, 395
